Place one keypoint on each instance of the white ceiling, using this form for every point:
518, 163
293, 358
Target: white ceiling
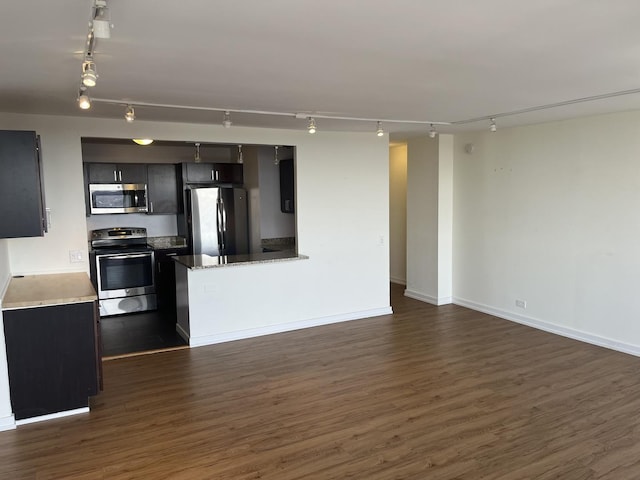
425, 60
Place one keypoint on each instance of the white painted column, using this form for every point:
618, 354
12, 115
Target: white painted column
430, 219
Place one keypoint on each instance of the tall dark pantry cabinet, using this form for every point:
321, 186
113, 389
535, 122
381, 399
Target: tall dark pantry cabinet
22, 209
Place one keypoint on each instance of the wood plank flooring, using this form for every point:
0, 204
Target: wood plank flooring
426, 393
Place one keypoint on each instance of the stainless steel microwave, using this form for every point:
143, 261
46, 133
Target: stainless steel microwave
118, 198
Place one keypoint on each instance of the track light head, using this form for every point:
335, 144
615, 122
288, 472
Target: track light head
89, 74
226, 120
493, 126
84, 102
129, 114
432, 132
379, 131
312, 125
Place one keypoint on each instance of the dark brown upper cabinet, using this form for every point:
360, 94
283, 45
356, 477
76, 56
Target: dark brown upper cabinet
22, 209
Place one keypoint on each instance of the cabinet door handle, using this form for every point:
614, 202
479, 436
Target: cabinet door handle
120, 175
151, 206
212, 175
115, 175
217, 175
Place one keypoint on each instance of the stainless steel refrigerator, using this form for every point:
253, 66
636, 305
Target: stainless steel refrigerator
218, 223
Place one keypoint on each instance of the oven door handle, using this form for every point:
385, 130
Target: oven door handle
121, 257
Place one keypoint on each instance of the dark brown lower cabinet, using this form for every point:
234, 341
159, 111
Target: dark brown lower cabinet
53, 358
166, 282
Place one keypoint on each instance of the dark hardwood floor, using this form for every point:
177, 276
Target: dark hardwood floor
138, 333
426, 393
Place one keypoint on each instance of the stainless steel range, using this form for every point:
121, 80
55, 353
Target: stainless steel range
122, 270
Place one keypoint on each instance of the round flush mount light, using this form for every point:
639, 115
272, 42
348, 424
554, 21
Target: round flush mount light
143, 141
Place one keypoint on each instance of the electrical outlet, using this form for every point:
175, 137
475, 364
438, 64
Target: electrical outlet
521, 303
75, 256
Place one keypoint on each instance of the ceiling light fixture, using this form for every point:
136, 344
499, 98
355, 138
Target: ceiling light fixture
129, 114
276, 160
84, 102
143, 141
226, 120
89, 74
493, 126
240, 157
312, 125
101, 23
380, 131
432, 131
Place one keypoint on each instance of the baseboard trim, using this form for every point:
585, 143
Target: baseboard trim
7, 423
398, 280
286, 327
427, 298
572, 333
181, 331
41, 418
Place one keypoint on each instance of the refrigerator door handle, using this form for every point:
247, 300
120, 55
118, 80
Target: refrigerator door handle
223, 208
219, 224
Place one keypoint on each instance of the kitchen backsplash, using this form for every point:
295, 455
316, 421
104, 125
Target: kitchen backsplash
156, 225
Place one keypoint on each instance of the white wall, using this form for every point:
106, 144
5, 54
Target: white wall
6, 416
398, 213
549, 214
445, 219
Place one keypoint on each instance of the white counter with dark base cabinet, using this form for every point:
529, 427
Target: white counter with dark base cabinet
215, 299
52, 335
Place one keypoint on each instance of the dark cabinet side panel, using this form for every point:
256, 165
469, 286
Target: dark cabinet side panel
51, 358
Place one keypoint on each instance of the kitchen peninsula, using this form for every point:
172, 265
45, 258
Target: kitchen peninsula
210, 294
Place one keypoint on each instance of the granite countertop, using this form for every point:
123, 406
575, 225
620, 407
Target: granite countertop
50, 289
166, 242
195, 262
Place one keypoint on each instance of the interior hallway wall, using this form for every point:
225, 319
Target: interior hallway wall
398, 213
